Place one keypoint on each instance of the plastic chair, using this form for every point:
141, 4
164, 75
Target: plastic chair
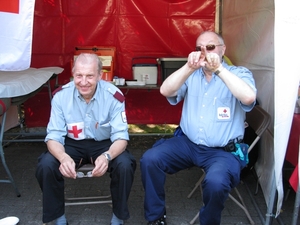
259, 120
85, 172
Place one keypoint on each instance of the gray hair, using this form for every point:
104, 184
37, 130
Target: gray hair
221, 40
88, 58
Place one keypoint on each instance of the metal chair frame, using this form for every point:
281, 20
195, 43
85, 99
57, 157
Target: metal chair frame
259, 120
101, 199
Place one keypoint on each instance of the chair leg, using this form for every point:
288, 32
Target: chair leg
10, 180
194, 219
198, 184
99, 199
77, 201
242, 205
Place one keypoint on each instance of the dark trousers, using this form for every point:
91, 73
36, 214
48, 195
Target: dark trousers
178, 153
51, 181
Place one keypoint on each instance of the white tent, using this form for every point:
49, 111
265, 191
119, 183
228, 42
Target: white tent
264, 36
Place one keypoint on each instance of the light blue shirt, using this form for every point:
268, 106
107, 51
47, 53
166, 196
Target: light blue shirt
211, 115
102, 118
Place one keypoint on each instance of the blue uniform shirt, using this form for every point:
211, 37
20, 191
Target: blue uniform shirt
102, 118
211, 115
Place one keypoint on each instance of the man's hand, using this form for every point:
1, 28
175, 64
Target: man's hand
67, 167
101, 166
196, 60
213, 61
209, 60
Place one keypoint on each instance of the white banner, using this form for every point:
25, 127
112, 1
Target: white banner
16, 25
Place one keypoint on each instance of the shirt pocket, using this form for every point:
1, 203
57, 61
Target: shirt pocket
223, 109
101, 131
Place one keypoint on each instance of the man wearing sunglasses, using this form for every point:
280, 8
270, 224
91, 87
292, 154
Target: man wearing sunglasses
216, 97
87, 125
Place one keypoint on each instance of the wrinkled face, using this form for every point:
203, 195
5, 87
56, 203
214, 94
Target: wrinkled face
86, 77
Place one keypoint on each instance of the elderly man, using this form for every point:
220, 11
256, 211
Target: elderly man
216, 97
87, 125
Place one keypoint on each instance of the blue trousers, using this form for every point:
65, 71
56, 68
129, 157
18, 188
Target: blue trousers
177, 153
51, 181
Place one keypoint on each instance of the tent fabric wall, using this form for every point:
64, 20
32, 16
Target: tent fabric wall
160, 28
287, 78
257, 33
248, 30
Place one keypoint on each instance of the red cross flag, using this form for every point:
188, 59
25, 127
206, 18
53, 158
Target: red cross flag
16, 24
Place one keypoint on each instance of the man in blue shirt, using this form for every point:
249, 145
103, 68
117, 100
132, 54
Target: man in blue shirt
216, 97
87, 125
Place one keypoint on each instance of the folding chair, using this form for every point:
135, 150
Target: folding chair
259, 120
85, 172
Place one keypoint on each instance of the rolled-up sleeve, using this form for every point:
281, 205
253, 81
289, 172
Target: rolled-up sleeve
174, 100
56, 129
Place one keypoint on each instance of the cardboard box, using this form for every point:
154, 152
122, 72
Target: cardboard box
170, 65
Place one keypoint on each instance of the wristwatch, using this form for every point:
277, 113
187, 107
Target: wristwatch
219, 70
107, 156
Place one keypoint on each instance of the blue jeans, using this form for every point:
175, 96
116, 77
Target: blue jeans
177, 153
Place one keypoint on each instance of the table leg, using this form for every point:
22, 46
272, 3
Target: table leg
10, 180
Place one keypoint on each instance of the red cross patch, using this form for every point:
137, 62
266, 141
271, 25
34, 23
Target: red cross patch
223, 113
76, 131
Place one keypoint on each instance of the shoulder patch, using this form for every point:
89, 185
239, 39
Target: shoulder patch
60, 88
119, 96
56, 90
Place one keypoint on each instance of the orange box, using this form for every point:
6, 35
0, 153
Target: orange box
107, 55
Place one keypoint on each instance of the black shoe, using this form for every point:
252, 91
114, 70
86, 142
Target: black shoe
160, 221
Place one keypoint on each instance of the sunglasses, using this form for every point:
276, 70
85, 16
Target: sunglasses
80, 174
208, 47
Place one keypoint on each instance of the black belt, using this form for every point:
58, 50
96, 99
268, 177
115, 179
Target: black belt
230, 147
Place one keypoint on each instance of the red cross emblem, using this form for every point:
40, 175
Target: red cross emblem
224, 111
75, 131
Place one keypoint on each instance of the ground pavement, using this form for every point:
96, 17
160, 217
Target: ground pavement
22, 159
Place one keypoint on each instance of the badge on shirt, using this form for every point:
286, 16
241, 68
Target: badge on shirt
76, 131
124, 118
223, 113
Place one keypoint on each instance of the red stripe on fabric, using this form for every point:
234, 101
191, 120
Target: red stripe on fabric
56, 90
3, 107
10, 6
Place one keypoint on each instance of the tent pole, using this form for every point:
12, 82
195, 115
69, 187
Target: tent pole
218, 16
270, 215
